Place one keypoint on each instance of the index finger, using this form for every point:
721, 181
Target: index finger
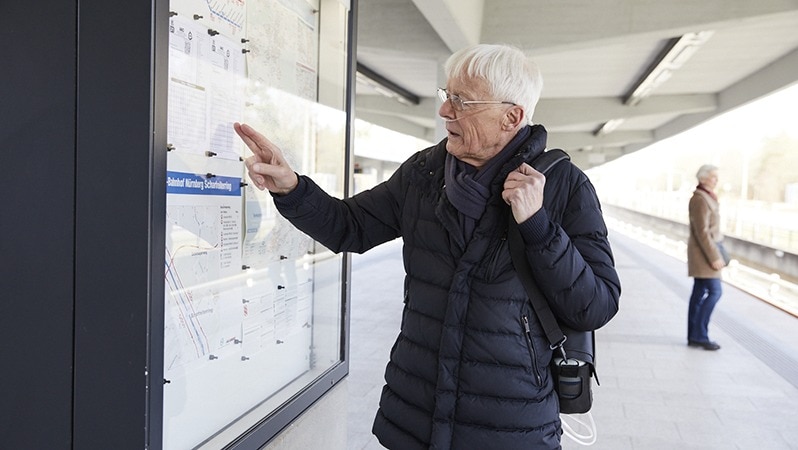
239, 129
254, 140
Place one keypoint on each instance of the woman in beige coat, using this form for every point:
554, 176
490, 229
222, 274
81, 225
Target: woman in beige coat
704, 260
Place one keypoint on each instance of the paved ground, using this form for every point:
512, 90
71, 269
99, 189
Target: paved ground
655, 393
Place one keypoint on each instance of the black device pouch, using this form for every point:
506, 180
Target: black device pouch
571, 378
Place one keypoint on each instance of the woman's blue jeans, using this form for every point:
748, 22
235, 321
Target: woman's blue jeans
706, 293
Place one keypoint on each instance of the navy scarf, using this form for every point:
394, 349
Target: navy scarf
468, 189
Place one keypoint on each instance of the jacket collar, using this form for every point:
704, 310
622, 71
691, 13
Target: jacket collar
530, 149
532, 146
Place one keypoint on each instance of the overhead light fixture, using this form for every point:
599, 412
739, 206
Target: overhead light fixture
385, 86
608, 127
675, 53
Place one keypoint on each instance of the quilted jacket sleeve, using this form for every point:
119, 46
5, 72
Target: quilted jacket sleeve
570, 255
354, 224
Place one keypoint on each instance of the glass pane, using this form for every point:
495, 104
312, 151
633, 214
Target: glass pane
253, 307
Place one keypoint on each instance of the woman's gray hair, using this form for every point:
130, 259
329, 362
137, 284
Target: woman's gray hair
510, 75
705, 170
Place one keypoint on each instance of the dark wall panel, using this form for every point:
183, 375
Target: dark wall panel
114, 191
37, 143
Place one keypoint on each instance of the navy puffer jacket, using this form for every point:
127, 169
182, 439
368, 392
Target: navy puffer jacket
469, 369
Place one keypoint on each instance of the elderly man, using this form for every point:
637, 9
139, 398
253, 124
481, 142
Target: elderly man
470, 367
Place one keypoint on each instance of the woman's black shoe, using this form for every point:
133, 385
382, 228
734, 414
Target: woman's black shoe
708, 345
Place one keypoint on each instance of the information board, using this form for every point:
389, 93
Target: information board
252, 306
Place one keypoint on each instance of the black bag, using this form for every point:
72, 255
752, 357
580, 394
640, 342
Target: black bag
572, 372
573, 368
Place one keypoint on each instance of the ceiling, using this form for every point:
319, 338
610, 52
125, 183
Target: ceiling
591, 53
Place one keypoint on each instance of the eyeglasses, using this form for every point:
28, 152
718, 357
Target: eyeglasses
459, 104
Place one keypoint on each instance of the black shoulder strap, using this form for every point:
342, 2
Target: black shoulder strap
548, 159
554, 334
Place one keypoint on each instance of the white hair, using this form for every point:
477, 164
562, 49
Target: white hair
510, 75
705, 171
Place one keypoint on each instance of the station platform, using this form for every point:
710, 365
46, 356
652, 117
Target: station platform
655, 392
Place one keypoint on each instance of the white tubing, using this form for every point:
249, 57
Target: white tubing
584, 421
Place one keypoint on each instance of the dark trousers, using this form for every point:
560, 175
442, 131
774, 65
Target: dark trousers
706, 293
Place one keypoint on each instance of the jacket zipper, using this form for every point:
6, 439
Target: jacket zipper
494, 261
532, 353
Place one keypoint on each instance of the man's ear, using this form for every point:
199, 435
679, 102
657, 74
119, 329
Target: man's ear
513, 118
